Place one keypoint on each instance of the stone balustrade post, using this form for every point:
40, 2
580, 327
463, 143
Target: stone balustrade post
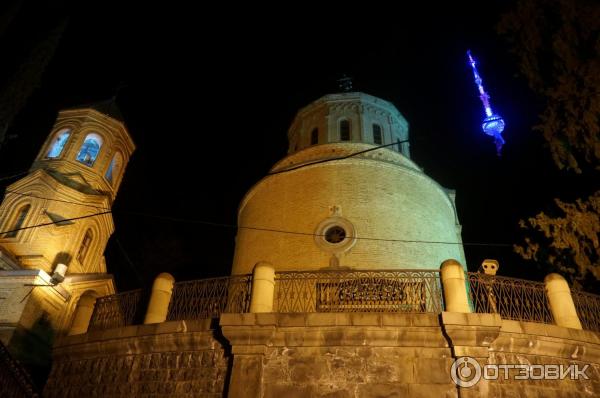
561, 302
83, 314
158, 306
455, 289
263, 288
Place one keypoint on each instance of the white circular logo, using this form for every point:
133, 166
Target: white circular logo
465, 372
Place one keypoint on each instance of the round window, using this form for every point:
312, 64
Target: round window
335, 234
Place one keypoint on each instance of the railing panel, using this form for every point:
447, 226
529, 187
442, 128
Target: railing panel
416, 291
512, 298
588, 309
117, 310
358, 291
208, 298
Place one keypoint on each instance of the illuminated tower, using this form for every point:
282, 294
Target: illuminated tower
492, 124
70, 187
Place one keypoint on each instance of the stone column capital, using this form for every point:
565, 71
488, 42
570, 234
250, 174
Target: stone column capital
471, 334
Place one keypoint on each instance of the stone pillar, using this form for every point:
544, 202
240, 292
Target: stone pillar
249, 335
83, 314
470, 336
263, 288
455, 289
158, 307
561, 302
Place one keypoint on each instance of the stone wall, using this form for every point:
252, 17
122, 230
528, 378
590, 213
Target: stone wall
335, 355
395, 355
341, 355
379, 199
174, 359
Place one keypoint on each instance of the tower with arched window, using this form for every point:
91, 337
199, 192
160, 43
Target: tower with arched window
59, 213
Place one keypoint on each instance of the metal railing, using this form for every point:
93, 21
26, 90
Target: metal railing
516, 299
417, 291
208, 298
14, 379
588, 309
117, 310
358, 291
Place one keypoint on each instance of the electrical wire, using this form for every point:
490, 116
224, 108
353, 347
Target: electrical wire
14, 175
232, 226
175, 219
338, 158
56, 200
54, 222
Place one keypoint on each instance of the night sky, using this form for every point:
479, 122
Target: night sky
208, 94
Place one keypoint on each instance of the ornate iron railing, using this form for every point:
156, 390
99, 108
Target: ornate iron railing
358, 291
117, 310
516, 299
14, 379
588, 309
208, 298
418, 291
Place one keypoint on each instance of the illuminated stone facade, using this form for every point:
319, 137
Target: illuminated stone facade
76, 174
390, 211
314, 355
313, 219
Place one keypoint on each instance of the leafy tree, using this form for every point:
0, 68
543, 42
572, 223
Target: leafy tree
557, 46
573, 237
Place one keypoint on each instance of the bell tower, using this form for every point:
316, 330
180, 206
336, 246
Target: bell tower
58, 218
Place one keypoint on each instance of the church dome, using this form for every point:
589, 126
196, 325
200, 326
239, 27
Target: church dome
338, 201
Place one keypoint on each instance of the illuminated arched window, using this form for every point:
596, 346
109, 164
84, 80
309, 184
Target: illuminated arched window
314, 136
84, 248
377, 139
344, 130
114, 169
13, 229
89, 150
58, 143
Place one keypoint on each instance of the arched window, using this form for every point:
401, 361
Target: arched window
18, 222
377, 134
90, 148
58, 143
314, 136
85, 246
114, 169
344, 130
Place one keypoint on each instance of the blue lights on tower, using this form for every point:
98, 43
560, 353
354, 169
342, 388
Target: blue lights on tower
492, 124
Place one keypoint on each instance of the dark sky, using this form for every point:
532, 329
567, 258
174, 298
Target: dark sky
209, 93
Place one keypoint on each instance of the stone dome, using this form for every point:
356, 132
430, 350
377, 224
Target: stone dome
319, 208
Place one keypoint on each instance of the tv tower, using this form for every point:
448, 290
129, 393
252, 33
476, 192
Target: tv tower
492, 124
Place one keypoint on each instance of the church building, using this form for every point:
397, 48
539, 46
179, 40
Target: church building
56, 222
348, 279
368, 208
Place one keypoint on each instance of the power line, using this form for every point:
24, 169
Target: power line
128, 261
175, 219
380, 239
14, 175
56, 200
312, 234
54, 222
232, 226
338, 158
